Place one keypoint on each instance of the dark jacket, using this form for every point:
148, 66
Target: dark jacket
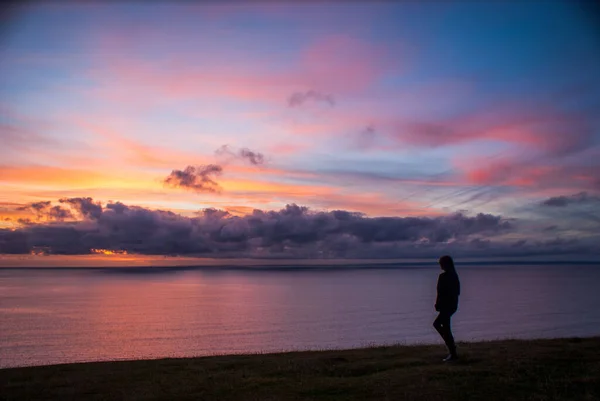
448, 290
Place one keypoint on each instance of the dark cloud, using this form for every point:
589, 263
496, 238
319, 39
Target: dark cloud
86, 207
195, 178
578, 213
36, 206
225, 150
365, 138
297, 99
369, 130
58, 213
252, 157
557, 201
118, 207
45, 210
562, 201
14, 242
294, 232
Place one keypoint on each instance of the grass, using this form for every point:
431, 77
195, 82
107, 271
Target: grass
558, 369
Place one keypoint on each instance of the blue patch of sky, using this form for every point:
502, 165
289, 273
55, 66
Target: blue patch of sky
506, 49
194, 133
398, 165
40, 32
47, 102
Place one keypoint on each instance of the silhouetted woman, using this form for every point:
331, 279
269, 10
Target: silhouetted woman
448, 290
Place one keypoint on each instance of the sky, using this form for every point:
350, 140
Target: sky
319, 130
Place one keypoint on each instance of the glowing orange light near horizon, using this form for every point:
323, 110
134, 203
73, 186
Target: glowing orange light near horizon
108, 252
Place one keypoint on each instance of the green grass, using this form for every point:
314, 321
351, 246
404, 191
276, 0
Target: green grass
560, 369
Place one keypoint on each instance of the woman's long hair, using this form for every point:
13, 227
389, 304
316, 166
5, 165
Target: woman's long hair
447, 264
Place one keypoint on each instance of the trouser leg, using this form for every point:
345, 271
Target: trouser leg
443, 326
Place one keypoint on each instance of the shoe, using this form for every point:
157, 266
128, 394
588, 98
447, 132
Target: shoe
450, 358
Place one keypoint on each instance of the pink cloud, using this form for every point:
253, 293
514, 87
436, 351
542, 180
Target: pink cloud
375, 204
545, 130
344, 64
110, 136
334, 63
286, 148
535, 174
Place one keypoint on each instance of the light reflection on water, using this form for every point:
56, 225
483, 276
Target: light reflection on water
58, 316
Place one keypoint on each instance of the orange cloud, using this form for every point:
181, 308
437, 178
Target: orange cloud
239, 210
133, 151
277, 189
47, 176
10, 213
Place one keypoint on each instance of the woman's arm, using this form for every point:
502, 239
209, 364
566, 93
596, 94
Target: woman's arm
438, 299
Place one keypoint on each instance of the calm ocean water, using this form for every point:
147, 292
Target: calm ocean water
58, 316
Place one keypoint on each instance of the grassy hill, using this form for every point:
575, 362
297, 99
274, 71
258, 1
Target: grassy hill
559, 369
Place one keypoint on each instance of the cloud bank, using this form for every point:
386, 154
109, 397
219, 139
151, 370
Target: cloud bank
292, 232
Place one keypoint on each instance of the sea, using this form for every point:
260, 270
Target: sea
64, 315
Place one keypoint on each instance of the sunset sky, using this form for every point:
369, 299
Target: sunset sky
406, 128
